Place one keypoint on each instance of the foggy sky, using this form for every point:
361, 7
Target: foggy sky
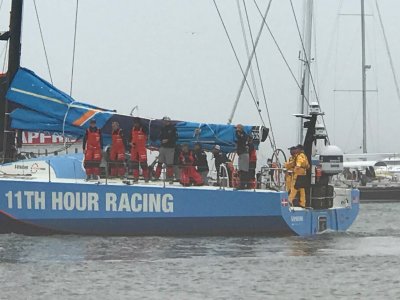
173, 58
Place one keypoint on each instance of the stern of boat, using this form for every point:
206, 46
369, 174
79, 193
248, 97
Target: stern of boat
309, 221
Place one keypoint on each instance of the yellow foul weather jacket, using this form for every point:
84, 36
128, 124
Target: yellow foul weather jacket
301, 165
289, 166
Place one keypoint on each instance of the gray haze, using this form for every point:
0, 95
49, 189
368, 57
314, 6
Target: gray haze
173, 58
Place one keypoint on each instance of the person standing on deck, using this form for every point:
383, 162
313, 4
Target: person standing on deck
92, 146
289, 166
301, 167
242, 150
200, 161
117, 152
138, 142
168, 138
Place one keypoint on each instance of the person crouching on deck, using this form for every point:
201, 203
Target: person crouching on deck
138, 141
188, 171
92, 147
117, 153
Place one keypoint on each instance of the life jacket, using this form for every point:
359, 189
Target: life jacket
138, 138
93, 138
117, 140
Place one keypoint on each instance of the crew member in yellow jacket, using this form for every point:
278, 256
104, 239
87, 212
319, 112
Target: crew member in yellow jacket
289, 166
300, 168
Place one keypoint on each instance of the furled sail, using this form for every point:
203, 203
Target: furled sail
39, 106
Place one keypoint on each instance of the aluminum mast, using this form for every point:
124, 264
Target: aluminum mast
305, 92
364, 78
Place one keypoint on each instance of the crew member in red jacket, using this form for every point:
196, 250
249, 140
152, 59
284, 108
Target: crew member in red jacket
138, 141
92, 146
117, 152
188, 171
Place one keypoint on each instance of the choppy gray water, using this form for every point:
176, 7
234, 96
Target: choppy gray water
361, 264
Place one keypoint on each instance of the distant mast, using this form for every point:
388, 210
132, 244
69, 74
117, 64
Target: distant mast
7, 136
364, 78
306, 58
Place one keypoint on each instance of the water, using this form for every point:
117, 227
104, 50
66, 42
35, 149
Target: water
363, 263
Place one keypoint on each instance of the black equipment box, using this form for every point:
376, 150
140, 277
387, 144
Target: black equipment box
322, 196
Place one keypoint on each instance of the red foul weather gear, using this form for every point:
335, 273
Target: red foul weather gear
188, 171
92, 146
117, 153
138, 141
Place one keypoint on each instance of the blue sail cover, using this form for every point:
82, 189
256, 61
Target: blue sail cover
39, 106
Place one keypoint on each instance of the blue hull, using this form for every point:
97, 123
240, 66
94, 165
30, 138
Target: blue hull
91, 209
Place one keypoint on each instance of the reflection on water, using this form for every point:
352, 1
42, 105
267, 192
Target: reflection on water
361, 263
21, 249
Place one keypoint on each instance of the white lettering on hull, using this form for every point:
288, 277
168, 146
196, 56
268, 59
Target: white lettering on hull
140, 202
83, 201
297, 218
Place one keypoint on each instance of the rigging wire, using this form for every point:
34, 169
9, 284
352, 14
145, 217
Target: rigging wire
43, 43
74, 47
4, 51
279, 49
246, 44
388, 50
238, 61
5, 57
316, 60
272, 136
244, 80
307, 59
334, 32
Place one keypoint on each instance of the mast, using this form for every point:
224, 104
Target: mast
7, 136
308, 16
364, 78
